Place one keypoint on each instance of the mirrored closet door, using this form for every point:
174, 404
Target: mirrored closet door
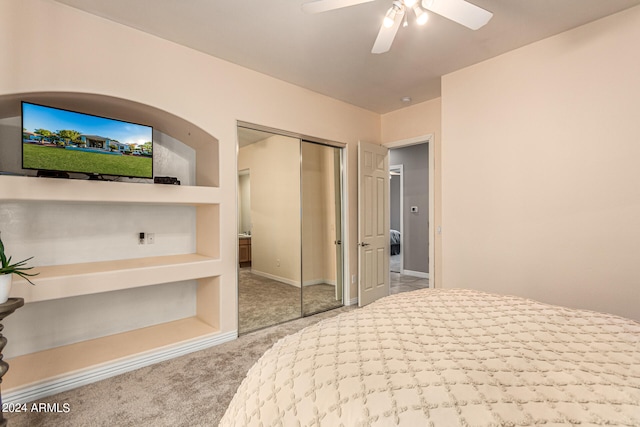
289, 228
321, 228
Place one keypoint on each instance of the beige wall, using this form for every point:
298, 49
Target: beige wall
274, 164
318, 216
275, 168
95, 55
540, 170
408, 124
566, 106
413, 121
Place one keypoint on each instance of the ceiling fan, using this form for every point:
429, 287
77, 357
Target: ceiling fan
460, 11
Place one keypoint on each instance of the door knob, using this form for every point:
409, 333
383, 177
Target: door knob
365, 244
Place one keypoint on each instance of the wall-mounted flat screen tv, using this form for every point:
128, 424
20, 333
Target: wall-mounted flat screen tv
60, 140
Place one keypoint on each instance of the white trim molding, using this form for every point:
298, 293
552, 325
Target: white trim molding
412, 273
51, 386
425, 139
276, 278
319, 282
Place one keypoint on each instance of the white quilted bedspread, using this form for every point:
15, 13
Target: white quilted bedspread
448, 358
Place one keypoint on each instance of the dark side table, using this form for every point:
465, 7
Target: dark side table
6, 309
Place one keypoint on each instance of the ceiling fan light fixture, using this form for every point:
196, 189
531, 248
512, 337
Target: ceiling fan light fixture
389, 18
421, 16
460, 11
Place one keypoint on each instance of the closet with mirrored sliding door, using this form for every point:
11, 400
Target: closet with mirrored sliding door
290, 227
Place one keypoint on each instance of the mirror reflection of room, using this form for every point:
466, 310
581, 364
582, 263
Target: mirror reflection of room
268, 229
321, 228
289, 229
244, 217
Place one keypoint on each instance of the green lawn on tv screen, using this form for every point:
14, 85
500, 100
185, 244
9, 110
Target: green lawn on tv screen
52, 158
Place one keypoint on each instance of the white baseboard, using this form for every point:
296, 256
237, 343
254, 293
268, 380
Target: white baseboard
293, 282
75, 379
276, 278
415, 274
319, 282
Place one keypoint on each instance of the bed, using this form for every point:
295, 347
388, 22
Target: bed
394, 240
448, 358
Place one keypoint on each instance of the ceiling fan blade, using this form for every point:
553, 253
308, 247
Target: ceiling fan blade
325, 5
460, 11
386, 35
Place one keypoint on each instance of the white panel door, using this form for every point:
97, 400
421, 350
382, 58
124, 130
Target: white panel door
373, 222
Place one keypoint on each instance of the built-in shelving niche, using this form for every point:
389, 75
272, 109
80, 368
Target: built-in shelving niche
157, 301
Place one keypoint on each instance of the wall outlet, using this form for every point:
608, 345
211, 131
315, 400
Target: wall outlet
278, 262
353, 278
151, 238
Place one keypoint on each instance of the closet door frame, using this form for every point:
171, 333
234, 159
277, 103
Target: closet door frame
346, 291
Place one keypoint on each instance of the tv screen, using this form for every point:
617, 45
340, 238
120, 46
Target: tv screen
60, 140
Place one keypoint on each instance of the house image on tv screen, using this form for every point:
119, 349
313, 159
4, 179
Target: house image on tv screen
54, 139
102, 143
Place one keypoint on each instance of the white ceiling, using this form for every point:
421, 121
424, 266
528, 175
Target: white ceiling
329, 52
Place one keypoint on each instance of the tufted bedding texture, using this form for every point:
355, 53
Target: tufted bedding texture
448, 358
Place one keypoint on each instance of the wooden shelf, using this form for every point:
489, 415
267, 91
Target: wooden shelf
62, 281
43, 365
24, 188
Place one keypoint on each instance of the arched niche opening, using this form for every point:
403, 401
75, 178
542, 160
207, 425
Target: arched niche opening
176, 128
89, 232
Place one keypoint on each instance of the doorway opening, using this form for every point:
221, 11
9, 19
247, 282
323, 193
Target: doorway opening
410, 209
290, 227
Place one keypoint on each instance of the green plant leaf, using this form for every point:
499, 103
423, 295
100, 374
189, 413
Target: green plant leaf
3, 258
24, 276
18, 268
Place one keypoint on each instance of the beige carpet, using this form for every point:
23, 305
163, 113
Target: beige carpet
265, 302
192, 390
